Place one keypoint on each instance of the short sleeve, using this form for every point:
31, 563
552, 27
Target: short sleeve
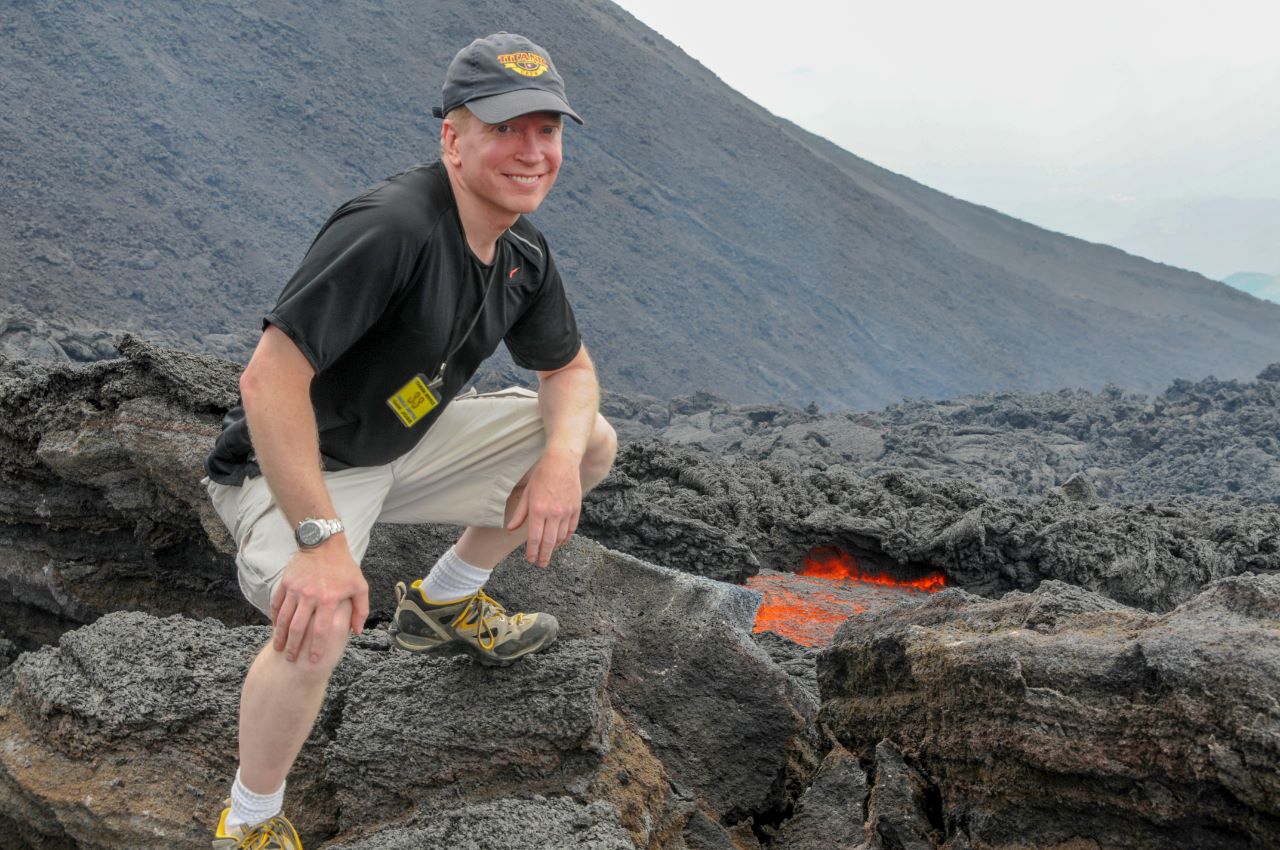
545, 337
358, 263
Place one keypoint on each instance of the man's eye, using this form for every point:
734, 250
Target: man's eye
502, 128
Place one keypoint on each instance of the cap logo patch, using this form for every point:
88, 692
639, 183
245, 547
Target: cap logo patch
525, 64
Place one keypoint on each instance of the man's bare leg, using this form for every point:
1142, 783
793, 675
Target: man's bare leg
279, 706
487, 547
282, 698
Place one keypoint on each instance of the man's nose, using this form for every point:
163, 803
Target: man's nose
530, 149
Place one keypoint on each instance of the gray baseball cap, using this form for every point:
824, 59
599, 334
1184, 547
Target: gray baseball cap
501, 76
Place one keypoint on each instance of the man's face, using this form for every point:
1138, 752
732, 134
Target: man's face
510, 167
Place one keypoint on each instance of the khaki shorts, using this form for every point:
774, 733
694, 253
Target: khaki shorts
460, 473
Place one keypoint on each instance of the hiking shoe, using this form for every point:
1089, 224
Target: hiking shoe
476, 624
274, 834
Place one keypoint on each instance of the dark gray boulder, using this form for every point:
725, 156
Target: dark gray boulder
554, 823
684, 507
101, 507
425, 729
654, 686
896, 810
123, 735
723, 717
1058, 715
831, 813
1205, 438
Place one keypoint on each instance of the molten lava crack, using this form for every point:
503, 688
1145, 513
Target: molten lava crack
809, 606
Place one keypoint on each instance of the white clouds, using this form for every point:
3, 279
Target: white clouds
1014, 103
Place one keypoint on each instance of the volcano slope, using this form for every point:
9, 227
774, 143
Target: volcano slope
170, 162
1122, 696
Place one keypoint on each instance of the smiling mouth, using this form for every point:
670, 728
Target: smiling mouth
525, 179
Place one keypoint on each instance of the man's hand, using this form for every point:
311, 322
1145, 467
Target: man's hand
551, 504
316, 581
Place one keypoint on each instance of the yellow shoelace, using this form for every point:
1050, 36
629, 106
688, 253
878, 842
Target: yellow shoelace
278, 829
484, 607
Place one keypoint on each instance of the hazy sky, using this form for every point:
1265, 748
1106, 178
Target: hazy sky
1083, 115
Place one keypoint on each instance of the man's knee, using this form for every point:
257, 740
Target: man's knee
329, 651
601, 450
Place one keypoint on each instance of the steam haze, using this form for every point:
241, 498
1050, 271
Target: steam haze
1149, 126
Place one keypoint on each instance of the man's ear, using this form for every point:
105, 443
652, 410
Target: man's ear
449, 143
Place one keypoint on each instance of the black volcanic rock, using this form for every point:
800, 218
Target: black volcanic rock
426, 730
134, 703
684, 507
630, 704
896, 810
831, 812
656, 721
170, 162
720, 713
556, 823
1197, 438
1060, 715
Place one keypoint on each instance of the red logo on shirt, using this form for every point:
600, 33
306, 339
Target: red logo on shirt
511, 274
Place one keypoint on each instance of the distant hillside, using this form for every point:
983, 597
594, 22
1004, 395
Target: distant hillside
1266, 286
167, 163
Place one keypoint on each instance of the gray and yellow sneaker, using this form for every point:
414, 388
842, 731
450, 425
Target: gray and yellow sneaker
274, 834
476, 624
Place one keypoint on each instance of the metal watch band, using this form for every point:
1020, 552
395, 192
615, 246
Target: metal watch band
313, 531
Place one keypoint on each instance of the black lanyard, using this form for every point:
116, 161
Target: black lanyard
438, 381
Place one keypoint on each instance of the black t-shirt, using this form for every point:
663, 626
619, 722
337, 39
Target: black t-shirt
386, 289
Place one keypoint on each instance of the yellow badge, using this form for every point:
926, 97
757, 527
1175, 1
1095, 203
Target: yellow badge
525, 64
413, 401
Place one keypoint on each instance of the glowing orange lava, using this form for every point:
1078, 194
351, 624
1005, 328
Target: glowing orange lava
831, 562
809, 606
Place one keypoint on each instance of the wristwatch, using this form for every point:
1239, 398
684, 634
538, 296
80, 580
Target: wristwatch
311, 532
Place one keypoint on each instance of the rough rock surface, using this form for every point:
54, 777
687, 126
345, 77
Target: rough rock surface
618, 710
135, 702
682, 506
683, 663
1061, 715
1202, 438
657, 721
24, 336
831, 812
553, 823
421, 728
100, 503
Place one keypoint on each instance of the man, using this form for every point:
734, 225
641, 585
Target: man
350, 401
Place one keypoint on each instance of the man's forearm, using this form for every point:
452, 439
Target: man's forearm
568, 401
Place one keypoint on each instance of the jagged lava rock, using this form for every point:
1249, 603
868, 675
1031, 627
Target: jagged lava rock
422, 727
682, 506
1197, 438
1061, 715
830, 813
537, 822
723, 717
101, 507
654, 687
123, 735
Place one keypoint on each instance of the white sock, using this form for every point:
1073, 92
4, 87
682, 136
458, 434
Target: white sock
248, 808
453, 578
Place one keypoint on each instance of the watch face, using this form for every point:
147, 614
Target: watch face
310, 533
